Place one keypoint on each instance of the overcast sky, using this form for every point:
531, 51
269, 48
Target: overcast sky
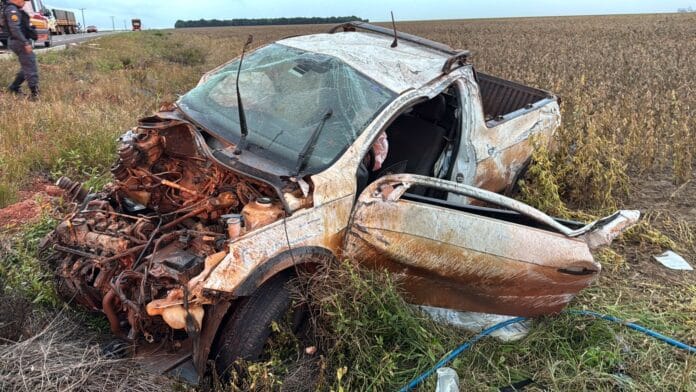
163, 14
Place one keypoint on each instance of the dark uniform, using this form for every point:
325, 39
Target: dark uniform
20, 30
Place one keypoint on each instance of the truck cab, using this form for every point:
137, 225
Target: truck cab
39, 16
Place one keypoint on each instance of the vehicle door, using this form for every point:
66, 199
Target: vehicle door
514, 261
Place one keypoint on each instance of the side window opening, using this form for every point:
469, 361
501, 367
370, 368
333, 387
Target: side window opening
423, 140
484, 209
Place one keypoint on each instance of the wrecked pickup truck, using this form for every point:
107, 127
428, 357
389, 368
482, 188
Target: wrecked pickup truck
379, 147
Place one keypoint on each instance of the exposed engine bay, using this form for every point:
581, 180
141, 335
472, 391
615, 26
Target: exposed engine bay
138, 249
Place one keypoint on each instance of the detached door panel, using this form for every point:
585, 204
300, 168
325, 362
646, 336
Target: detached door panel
464, 261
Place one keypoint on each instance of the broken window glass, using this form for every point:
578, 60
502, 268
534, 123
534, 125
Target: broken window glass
285, 93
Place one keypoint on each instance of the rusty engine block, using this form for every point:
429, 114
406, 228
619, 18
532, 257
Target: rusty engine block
146, 234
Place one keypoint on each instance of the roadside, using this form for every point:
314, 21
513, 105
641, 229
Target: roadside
76, 38
58, 350
60, 42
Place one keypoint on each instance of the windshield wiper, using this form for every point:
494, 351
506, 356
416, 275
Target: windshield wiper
306, 152
242, 118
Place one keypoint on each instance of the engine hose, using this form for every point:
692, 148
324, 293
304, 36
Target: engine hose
147, 245
108, 307
418, 380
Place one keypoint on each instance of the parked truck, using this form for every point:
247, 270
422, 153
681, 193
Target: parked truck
39, 20
65, 22
136, 24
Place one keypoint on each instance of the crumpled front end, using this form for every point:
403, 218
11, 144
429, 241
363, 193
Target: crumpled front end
139, 250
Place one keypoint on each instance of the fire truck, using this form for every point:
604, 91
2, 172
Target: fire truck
39, 20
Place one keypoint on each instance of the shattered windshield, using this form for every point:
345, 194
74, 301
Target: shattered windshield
286, 93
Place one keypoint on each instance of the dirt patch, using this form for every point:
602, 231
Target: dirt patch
671, 209
32, 201
659, 193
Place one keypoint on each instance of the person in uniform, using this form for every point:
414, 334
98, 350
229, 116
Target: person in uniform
18, 24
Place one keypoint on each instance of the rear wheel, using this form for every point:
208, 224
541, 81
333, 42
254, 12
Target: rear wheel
246, 332
513, 189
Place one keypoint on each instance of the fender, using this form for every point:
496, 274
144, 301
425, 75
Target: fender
218, 312
282, 261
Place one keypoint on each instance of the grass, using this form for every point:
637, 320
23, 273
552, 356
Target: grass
21, 271
90, 95
626, 140
56, 355
372, 340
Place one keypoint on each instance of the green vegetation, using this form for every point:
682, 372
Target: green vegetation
91, 94
626, 141
21, 272
370, 339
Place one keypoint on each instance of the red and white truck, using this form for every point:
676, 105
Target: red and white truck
39, 19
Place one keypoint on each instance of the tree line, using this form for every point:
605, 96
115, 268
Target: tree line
264, 21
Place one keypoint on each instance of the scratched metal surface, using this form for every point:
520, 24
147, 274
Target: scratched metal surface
463, 261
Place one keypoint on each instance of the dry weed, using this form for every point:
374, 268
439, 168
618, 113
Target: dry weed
59, 358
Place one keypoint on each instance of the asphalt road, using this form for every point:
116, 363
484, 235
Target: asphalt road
75, 38
59, 40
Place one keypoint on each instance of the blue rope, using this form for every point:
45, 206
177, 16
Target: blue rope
638, 328
418, 380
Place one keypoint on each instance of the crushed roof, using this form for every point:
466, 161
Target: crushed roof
407, 66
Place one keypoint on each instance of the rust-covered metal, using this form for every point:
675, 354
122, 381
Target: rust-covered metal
465, 261
136, 250
187, 226
73, 189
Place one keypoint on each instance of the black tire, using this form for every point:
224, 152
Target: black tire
513, 189
246, 332
49, 41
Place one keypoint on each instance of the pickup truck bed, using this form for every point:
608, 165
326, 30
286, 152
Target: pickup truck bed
502, 97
